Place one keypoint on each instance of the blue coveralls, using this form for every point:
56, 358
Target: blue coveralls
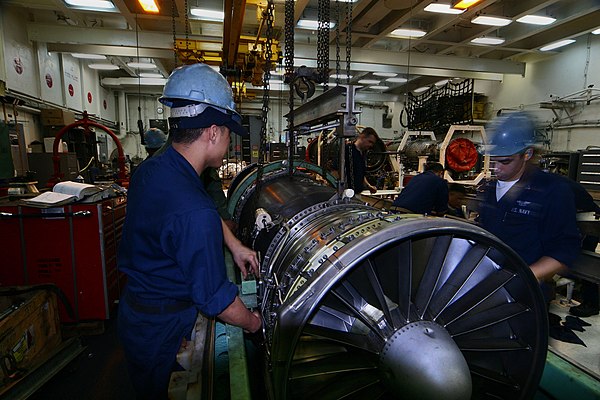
424, 193
172, 253
536, 217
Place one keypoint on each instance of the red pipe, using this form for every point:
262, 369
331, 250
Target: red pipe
122, 180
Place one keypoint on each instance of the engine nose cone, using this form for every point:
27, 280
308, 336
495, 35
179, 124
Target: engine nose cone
421, 361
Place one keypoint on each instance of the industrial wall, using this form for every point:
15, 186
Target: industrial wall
48, 79
569, 83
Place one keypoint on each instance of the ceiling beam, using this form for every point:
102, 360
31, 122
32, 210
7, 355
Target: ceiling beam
125, 13
395, 23
519, 9
119, 51
232, 29
49, 33
422, 60
299, 7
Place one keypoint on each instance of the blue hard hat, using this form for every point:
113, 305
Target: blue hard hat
510, 134
154, 138
192, 90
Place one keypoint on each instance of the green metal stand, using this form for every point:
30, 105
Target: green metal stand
564, 381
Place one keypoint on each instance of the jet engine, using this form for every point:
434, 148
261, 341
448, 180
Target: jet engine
362, 303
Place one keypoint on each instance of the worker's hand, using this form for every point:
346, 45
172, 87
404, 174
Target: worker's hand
245, 257
257, 323
372, 189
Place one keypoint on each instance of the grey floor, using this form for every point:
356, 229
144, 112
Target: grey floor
586, 357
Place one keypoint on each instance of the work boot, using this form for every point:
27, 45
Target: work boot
584, 310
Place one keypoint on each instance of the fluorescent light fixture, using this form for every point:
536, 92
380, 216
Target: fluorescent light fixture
153, 81
104, 67
378, 87
491, 21
487, 40
311, 24
207, 15
442, 82
368, 81
556, 45
141, 65
150, 75
536, 20
408, 33
596, 31
397, 80
130, 81
421, 89
442, 8
89, 56
385, 74
92, 4
149, 6
464, 4
340, 76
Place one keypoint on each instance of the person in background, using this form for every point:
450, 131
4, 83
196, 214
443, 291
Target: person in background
456, 200
532, 211
154, 138
425, 193
214, 187
356, 162
172, 244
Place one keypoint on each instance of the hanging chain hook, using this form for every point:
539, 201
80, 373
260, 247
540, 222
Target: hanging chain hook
174, 34
268, 54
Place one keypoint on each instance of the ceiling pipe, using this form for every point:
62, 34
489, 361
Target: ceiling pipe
232, 29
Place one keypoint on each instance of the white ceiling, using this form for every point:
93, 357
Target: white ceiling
444, 52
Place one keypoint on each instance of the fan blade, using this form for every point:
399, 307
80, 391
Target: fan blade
485, 318
475, 296
457, 279
432, 273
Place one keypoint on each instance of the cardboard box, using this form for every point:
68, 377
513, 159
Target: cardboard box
57, 117
29, 329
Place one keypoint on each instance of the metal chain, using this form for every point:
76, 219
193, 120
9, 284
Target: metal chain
268, 52
348, 40
174, 34
187, 32
350, 161
289, 73
323, 42
337, 42
266, 78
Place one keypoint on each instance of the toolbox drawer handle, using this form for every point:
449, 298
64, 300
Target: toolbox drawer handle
49, 215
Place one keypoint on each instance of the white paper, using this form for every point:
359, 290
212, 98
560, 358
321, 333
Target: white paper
51, 198
76, 189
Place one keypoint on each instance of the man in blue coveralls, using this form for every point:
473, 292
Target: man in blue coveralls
426, 193
530, 210
356, 162
172, 244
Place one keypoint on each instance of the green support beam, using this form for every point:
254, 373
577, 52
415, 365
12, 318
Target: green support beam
564, 381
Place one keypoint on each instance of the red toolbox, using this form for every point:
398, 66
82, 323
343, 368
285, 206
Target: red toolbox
73, 247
